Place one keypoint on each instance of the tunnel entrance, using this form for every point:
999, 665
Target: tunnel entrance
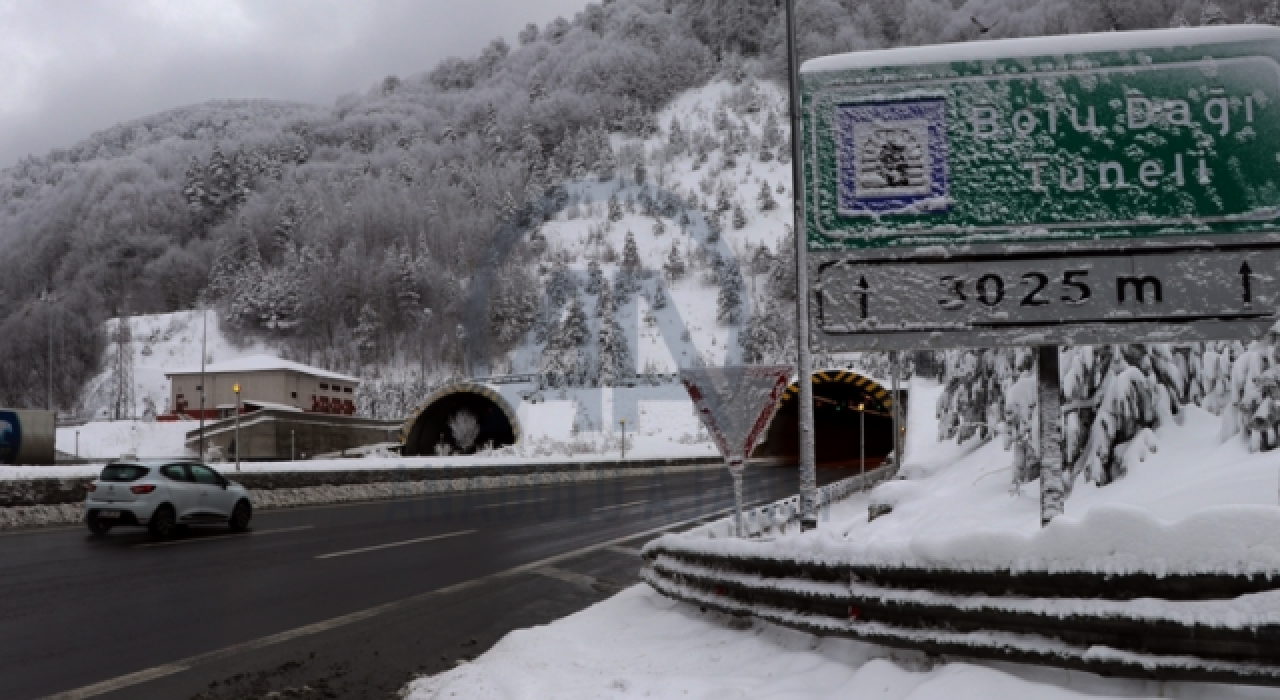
429, 426
845, 403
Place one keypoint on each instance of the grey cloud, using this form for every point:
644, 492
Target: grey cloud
77, 66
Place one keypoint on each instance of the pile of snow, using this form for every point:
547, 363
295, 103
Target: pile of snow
641, 645
1197, 505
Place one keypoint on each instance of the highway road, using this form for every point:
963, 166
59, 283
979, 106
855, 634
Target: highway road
345, 601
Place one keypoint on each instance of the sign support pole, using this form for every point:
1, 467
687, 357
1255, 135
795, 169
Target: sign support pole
1052, 483
736, 467
895, 361
804, 363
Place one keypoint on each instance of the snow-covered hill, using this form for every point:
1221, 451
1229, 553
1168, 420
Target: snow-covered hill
720, 202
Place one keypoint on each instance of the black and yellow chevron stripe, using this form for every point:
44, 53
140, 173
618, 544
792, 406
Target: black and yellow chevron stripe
881, 399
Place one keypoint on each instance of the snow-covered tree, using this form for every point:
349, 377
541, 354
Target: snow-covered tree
739, 217
615, 360
765, 199
659, 297
659, 228
630, 254
566, 361
674, 267
595, 278
366, 333
615, 208
676, 138
729, 301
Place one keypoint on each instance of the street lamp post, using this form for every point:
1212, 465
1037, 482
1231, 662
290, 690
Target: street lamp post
236, 389
862, 441
204, 339
623, 422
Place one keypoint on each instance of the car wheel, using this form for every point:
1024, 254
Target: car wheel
163, 522
96, 526
240, 516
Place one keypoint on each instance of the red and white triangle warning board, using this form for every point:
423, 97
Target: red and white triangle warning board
736, 404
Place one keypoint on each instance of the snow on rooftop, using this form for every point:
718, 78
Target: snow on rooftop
1067, 44
266, 363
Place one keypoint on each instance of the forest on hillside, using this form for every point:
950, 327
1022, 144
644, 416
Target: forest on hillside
346, 233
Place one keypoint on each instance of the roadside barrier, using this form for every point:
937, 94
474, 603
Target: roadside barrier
1208, 628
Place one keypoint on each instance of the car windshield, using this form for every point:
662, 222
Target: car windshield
123, 472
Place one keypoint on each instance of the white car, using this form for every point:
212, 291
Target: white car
162, 495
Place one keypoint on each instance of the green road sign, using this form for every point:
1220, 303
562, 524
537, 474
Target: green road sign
1032, 190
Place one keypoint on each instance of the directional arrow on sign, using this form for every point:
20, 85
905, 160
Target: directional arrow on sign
1245, 279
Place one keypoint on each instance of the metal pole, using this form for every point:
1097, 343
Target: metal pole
862, 444
77, 443
896, 362
1052, 485
735, 470
239, 448
292, 444
50, 300
204, 339
804, 371
624, 437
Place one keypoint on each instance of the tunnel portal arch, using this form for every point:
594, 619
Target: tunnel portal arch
837, 394
428, 425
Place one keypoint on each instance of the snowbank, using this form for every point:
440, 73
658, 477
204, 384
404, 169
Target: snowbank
641, 645
1197, 505
110, 439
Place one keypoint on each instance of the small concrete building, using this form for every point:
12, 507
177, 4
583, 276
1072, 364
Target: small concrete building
287, 410
262, 378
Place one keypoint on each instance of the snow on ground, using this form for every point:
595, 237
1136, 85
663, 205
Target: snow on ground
1197, 505
110, 439
161, 343
641, 645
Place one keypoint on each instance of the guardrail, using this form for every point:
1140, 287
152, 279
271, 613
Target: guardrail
1215, 628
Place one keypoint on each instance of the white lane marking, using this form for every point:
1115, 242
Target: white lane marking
389, 545
573, 577
511, 503
122, 682
629, 551
620, 505
215, 538
139, 677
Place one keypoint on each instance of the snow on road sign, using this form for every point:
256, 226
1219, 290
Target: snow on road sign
1088, 189
736, 404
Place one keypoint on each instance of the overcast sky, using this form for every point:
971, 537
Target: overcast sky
71, 67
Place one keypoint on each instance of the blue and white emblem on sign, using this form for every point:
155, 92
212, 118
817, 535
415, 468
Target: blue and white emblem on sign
893, 157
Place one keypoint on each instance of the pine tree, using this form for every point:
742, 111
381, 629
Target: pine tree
676, 139
615, 207
606, 163
723, 203
729, 301
659, 298
674, 267
659, 228
771, 135
1211, 14
193, 188
765, 199
623, 287
630, 254
739, 217
366, 333
615, 356
408, 296
561, 286
604, 302
595, 278
640, 174
713, 228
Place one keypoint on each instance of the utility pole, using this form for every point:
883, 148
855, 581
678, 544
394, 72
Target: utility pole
236, 388
862, 443
48, 297
624, 437
804, 369
204, 339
